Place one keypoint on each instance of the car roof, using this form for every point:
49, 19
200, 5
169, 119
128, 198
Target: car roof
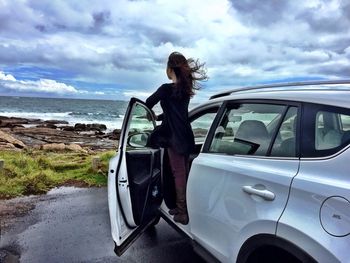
335, 93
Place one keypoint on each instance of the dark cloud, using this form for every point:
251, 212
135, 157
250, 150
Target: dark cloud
337, 45
325, 18
332, 69
333, 23
262, 13
156, 36
41, 28
346, 10
127, 42
101, 19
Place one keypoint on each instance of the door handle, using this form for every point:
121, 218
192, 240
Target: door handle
266, 194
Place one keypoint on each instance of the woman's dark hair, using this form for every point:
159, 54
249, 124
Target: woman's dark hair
188, 72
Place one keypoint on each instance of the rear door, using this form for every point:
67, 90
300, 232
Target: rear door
134, 178
239, 183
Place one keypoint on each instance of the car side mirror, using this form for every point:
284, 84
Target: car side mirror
138, 140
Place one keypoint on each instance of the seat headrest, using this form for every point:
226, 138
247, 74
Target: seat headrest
252, 130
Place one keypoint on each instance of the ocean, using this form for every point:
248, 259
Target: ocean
108, 112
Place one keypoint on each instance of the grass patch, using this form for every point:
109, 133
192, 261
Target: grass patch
36, 172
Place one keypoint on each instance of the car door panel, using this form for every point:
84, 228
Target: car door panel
143, 168
239, 195
134, 178
220, 211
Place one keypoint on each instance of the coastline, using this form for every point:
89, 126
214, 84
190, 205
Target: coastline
36, 133
38, 155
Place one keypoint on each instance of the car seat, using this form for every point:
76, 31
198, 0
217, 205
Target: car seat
254, 131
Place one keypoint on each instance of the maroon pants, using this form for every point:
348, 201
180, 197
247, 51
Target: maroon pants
179, 167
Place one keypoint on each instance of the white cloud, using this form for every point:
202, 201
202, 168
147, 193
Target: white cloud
41, 85
137, 94
127, 42
6, 77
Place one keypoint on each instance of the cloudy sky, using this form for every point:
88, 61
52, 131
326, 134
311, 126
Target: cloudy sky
117, 49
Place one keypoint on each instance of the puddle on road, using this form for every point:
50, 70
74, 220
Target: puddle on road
64, 190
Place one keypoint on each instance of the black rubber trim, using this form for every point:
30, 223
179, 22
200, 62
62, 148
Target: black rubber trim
259, 241
173, 225
220, 113
203, 253
278, 127
119, 250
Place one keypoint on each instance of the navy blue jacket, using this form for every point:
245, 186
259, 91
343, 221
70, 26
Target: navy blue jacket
174, 118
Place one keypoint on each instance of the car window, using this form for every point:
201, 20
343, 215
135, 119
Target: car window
140, 127
244, 130
330, 129
326, 130
201, 124
285, 142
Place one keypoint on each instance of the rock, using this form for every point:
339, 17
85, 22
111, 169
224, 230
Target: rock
47, 125
54, 147
87, 133
96, 127
56, 122
8, 146
80, 127
114, 135
96, 163
67, 128
75, 148
99, 133
36, 137
90, 127
8, 139
15, 122
62, 147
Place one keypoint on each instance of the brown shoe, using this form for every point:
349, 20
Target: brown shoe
173, 211
182, 216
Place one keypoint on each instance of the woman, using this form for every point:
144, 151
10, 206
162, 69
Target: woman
174, 99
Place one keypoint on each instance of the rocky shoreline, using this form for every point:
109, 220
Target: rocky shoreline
19, 133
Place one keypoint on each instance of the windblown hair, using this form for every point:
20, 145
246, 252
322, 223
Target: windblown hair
188, 72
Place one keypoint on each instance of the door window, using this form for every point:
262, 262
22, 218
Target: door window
201, 124
247, 129
141, 125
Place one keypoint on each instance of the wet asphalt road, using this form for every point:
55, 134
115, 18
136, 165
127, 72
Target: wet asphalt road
72, 225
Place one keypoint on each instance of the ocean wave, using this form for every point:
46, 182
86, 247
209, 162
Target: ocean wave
36, 115
111, 121
97, 114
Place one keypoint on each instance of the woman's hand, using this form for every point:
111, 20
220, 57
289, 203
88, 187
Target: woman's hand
151, 116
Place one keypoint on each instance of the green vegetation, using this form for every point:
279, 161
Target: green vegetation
36, 172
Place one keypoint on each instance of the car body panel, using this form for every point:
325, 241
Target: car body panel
310, 204
219, 209
317, 180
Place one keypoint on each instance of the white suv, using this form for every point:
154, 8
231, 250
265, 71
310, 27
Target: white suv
269, 180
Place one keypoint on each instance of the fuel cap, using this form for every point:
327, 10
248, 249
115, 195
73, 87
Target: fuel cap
335, 216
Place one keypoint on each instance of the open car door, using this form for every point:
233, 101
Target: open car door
134, 178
